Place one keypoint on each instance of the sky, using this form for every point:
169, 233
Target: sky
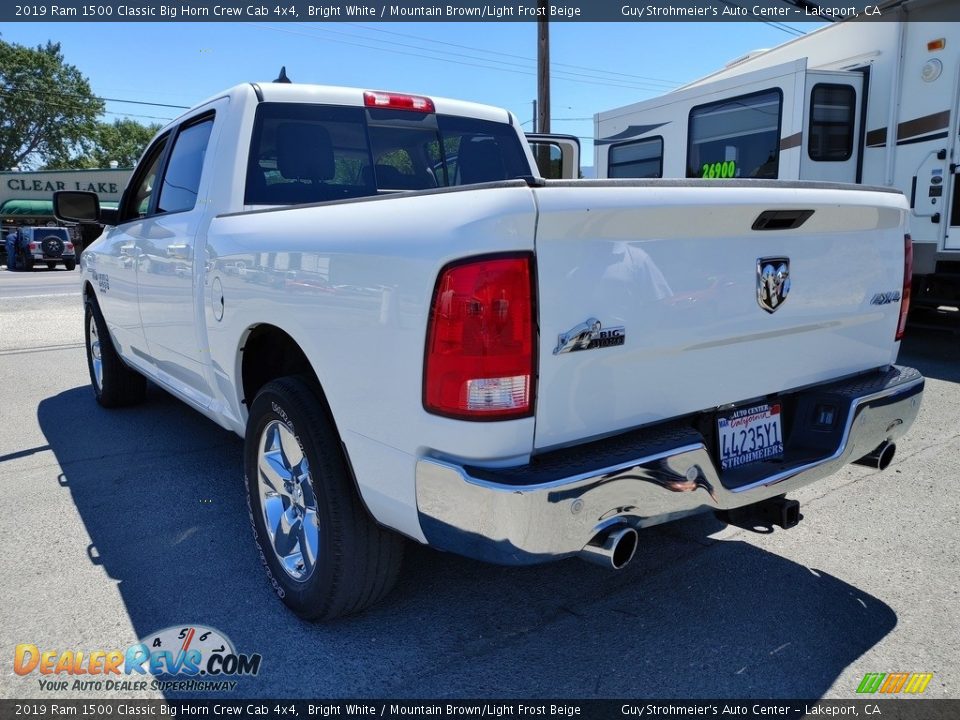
595, 66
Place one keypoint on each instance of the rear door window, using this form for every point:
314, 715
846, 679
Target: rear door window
181, 179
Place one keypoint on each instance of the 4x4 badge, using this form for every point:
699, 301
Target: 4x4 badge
589, 335
773, 282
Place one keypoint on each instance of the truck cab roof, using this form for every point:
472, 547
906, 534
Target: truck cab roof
348, 96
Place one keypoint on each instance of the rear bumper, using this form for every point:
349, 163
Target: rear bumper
557, 504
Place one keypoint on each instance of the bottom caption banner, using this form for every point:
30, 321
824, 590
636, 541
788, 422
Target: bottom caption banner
887, 709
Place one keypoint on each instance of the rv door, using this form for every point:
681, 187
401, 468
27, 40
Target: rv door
951, 229
831, 127
557, 156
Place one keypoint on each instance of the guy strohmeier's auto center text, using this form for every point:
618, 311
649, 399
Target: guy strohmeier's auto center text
401, 10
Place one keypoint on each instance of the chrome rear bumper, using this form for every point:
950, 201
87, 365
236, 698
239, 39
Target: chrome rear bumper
557, 504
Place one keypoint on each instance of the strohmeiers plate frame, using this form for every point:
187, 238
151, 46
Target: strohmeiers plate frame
752, 433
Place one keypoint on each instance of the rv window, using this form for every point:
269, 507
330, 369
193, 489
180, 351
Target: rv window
736, 137
637, 159
832, 112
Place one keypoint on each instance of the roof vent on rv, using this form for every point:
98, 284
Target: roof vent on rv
744, 58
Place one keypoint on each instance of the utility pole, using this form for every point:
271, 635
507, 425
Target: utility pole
543, 68
542, 113
534, 129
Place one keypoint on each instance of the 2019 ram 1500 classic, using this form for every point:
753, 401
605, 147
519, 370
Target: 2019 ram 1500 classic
418, 336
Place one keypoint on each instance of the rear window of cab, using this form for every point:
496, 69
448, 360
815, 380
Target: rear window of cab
302, 153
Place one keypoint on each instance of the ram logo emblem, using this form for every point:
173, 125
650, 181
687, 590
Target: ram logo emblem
773, 282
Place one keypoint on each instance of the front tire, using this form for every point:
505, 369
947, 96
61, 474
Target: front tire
324, 555
114, 384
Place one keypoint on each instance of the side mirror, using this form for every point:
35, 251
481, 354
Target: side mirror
74, 206
557, 156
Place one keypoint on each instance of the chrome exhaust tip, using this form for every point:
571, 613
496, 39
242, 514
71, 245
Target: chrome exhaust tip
880, 458
612, 550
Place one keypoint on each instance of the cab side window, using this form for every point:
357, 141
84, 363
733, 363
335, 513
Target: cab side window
181, 179
140, 192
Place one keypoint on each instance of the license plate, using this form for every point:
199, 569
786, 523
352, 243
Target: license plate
750, 435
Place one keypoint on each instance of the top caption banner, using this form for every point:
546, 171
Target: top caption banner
461, 11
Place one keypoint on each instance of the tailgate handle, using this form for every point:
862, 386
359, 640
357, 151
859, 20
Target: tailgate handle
781, 219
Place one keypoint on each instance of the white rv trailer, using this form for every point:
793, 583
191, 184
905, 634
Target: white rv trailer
871, 102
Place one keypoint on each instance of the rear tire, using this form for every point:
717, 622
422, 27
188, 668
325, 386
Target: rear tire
324, 556
114, 384
70, 264
51, 266
27, 263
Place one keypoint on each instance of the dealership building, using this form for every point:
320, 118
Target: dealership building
26, 198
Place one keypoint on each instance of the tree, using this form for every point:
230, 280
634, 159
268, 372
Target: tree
123, 140
48, 111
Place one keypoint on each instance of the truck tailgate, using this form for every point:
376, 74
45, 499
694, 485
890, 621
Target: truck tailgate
649, 305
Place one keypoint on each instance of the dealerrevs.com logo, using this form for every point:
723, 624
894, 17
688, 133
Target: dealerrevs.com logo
184, 658
892, 683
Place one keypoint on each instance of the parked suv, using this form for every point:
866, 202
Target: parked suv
50, 245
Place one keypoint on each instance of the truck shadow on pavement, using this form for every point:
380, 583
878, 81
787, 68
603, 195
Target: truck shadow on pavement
160, 491
933, 352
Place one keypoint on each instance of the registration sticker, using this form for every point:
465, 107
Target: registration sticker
750, 435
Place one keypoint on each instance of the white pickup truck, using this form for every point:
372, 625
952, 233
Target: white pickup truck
419, 337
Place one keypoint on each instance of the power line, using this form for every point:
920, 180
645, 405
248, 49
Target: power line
92, 97
510, 69
772, 23
784, 28
664, 81
590, 81
126, 114
142, 102
68, 106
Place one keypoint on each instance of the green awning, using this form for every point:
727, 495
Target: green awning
37, 207
27, 207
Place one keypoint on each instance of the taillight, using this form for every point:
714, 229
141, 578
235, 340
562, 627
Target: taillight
69, 246
907, 281
481, 340
398, 101
34, 247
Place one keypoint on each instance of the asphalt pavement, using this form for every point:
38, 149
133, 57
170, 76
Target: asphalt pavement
116, 524
43, 282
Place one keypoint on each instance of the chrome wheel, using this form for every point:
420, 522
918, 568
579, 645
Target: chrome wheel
96, 362
287, 499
